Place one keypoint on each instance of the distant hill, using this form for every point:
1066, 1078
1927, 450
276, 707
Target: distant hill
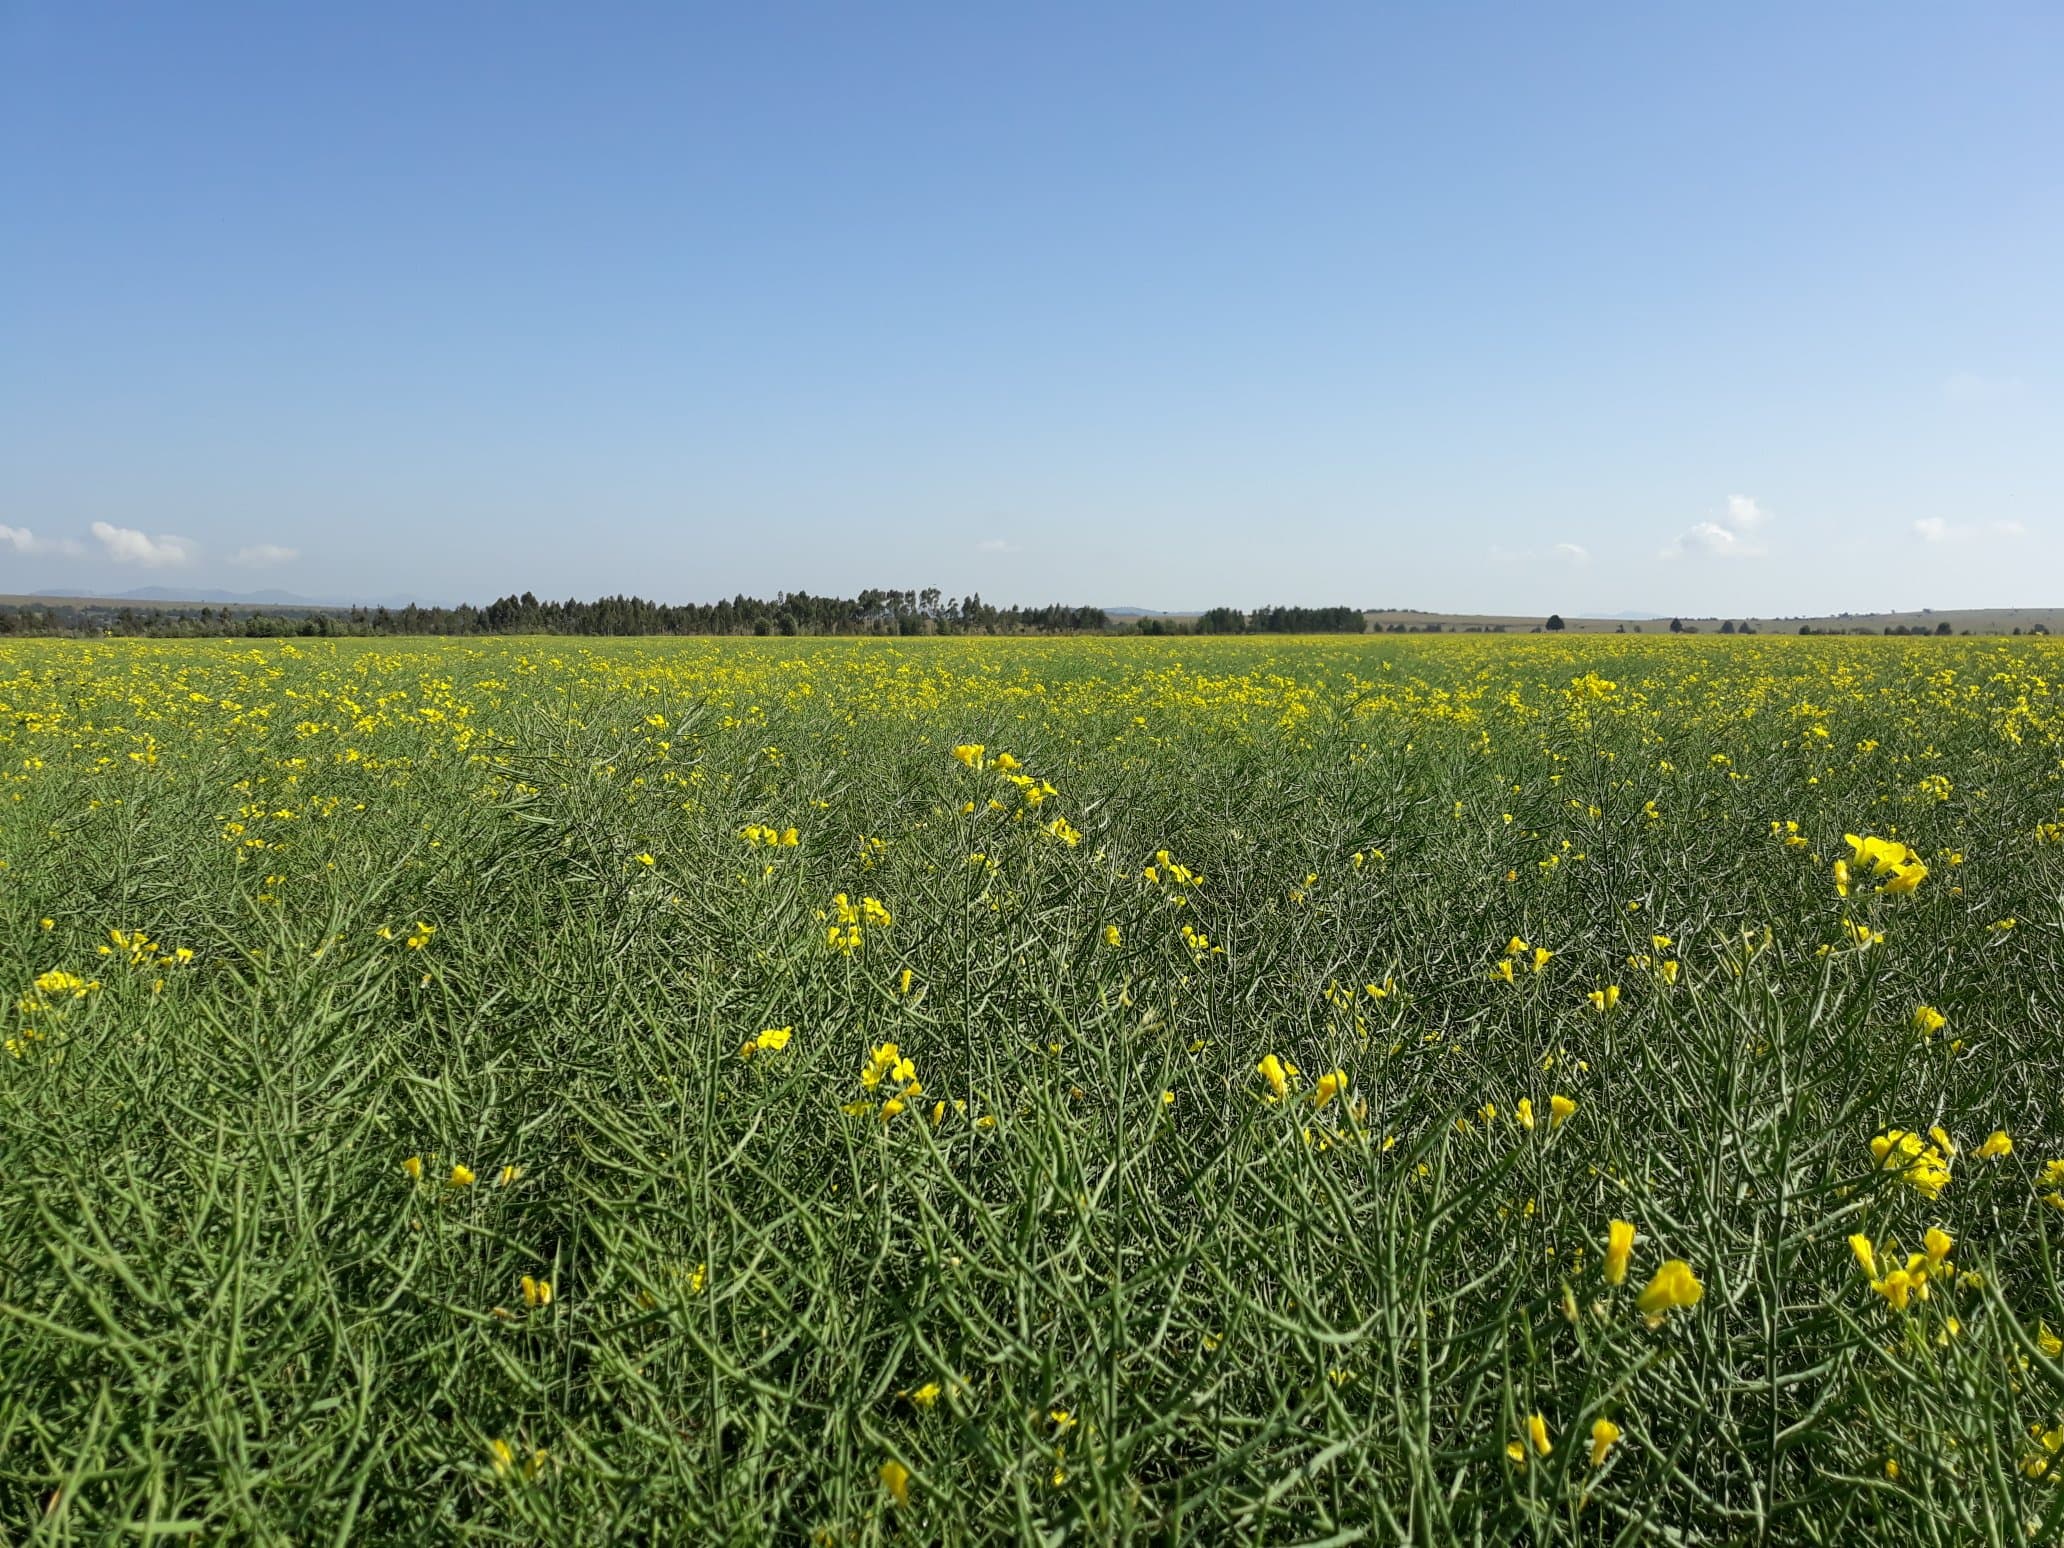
1976, 620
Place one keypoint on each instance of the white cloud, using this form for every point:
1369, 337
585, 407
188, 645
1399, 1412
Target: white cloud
1744, 514
996, 546
23, 541
126, 545
1570, 553
259, 555
1933, 529
1731, 536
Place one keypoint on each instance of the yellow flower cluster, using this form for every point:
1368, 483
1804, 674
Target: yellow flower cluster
887, 1065
1901, 868
1922, 1161
1900, 1284
850, 921
773, 1040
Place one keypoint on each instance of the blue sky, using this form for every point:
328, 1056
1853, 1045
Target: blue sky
1744, 309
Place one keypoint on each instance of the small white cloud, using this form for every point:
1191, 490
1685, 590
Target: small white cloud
1732, 536
1933, 529
23, 541
1570, 553
1972, 387
259, 555
996, 546
1745, 515
126, 545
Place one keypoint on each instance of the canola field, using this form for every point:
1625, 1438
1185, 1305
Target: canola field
1378, 1090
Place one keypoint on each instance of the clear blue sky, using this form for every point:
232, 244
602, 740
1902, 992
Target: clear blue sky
1706, 309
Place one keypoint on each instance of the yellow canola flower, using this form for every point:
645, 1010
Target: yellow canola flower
1902, 869
1619, 1245
1603, 1000
773, 1040
1278, 1075
1537, 1435
1674, 1285
1881, 855
1927, 1020
1866, 1256
1330, 1086
895, 1476
1996, 1144
1559, 1109
2037, 1463
1923, 1166
886, 1060
462, 1176
1525, 1114
1604, 1436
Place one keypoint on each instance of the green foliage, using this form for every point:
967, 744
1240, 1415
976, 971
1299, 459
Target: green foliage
521, 905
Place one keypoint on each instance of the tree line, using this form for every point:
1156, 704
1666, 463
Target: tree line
1280, 620
874, 611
